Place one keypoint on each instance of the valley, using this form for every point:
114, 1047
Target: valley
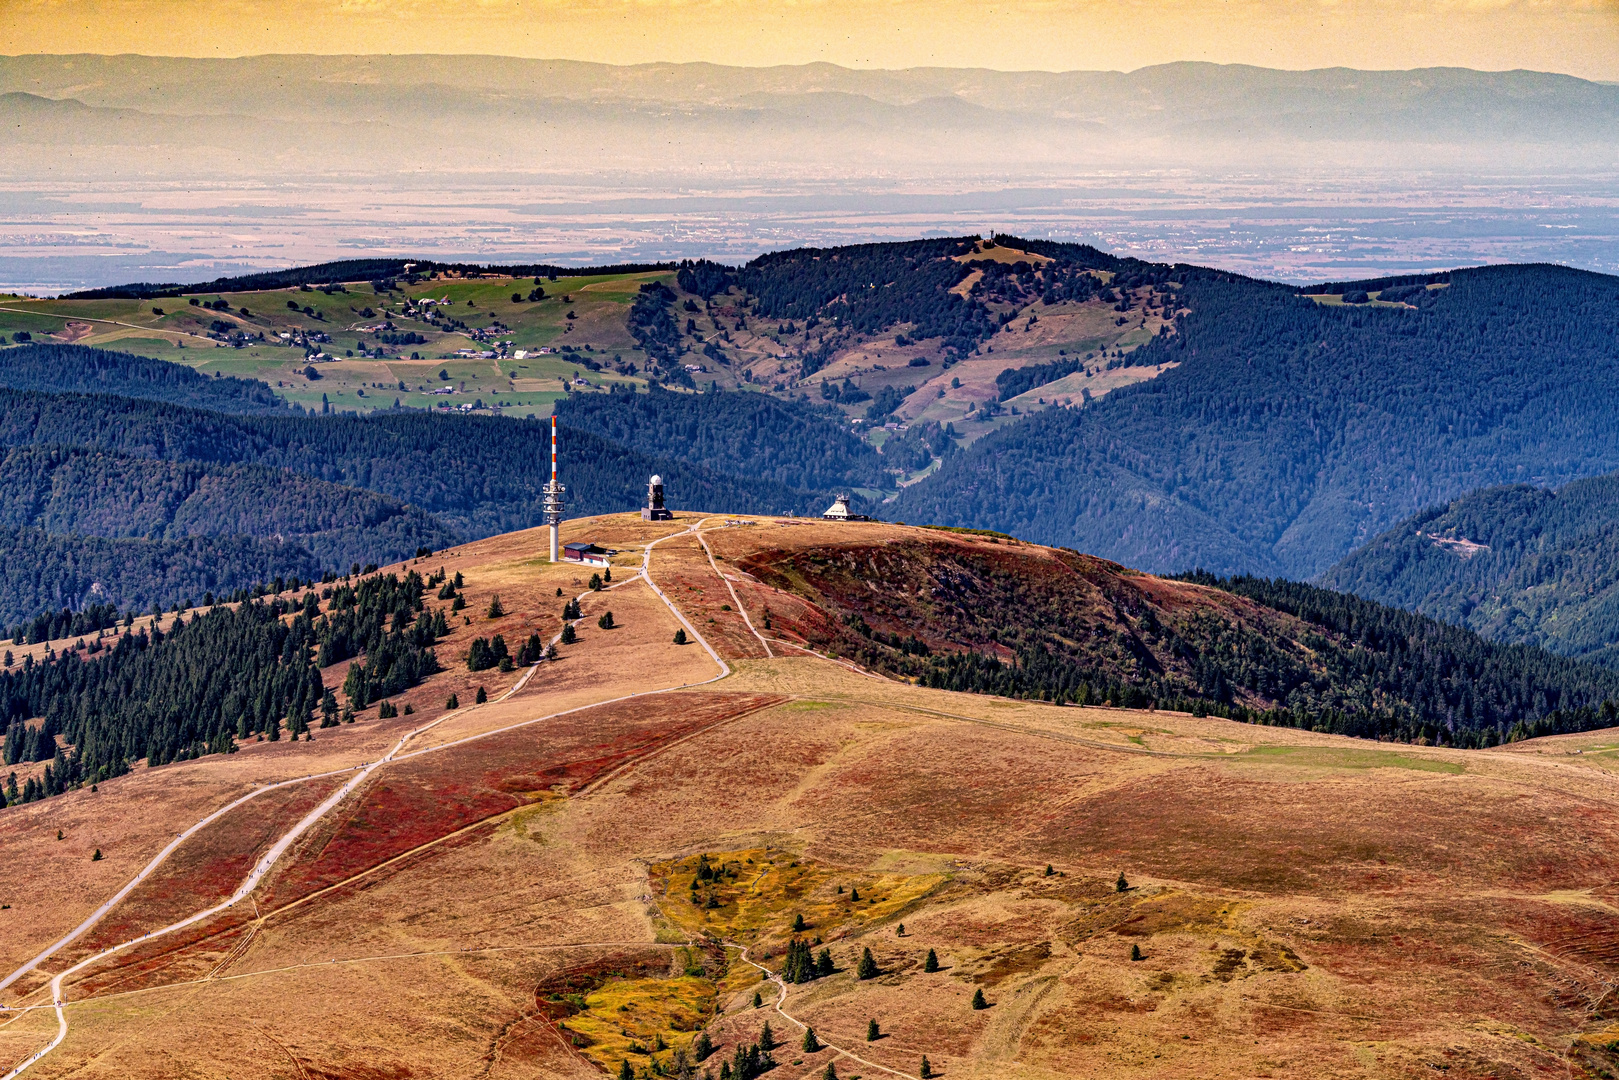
585, 870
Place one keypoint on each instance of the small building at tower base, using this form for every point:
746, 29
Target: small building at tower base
654, 510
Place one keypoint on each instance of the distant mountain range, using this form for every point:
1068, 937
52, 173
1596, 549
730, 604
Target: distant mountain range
303, 110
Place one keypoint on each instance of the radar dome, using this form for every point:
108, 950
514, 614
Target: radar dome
657, 479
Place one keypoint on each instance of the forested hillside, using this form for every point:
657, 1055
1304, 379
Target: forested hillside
1291, 431
1516, 563
75, 491
77, 369
478, 475
227, 674
993, 615
48, 574
740, 433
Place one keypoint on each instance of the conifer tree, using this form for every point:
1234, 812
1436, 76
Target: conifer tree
702, 1046
569, 635
483, 696
606, 621
978, 999
868, 965
873, 1032
823, 964
680, 637
767, 1038
926, 1071
1121, 885
830, 1073
810, 1045
798, 923
625, 1072
1135, 952
495, 610
757, 1000
453, 702
932, 962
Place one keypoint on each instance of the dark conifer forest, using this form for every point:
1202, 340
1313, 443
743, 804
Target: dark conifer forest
1291, 432
225, 675
1517, 564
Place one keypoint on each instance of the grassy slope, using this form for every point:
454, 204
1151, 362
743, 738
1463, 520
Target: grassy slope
1304, 905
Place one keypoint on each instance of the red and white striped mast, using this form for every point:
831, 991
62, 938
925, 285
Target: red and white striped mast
553, 493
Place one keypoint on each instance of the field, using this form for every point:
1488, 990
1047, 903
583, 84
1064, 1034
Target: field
357, 349
570, 877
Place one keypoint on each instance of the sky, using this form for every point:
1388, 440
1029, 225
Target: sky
1577, 37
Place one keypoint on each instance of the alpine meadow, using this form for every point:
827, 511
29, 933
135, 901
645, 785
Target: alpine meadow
731, 553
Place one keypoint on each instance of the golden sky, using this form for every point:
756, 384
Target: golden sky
1580, 37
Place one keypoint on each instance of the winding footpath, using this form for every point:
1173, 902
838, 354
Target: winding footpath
781, 998
361, 773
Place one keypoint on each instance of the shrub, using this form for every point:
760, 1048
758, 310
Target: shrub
680, 637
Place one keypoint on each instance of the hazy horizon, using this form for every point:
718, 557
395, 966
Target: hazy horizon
128, 168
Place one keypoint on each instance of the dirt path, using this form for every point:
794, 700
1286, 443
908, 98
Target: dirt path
361, 773
781, 997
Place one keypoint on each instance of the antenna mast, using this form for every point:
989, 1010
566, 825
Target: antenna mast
553, 493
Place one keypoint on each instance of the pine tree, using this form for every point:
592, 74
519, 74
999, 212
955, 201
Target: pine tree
495, 610
757, 1000
703, 1046
978, 999
1135, 952
868, 965
1121, 885
823, 964
680, 637
595, 582
932, 962
453, 702
569, 635
483, 696
854, 896
830, 1072
873, 1032
798, 923
1049, 870
97, 856
625, 1071
606, 621
926, 1071
767, 1038
810, 1045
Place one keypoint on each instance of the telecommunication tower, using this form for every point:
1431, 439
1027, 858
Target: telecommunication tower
553, 493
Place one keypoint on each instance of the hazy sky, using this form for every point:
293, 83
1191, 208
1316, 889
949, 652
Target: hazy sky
1580, 37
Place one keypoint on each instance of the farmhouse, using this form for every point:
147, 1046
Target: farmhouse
585, 553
